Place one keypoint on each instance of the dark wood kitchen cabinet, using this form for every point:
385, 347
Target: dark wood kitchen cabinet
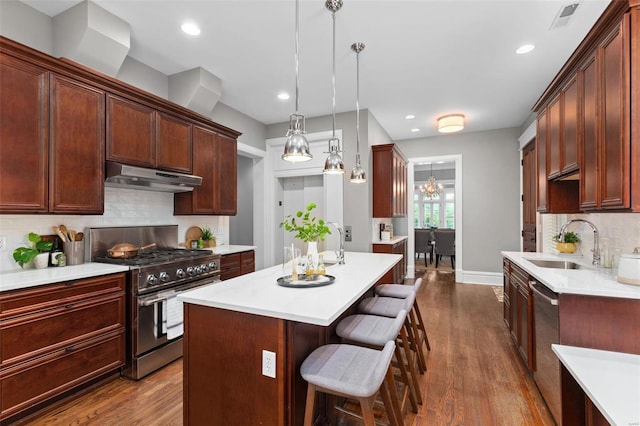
215, 159
519, 314
58, 338
52, 132
399, 271
76, 160
529, 197
237, 264
141, 136
24, 132
389, 181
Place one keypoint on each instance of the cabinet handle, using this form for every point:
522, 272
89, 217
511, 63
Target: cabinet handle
68, 349
69, 305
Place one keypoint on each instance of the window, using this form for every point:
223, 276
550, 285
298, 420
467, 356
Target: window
438, 212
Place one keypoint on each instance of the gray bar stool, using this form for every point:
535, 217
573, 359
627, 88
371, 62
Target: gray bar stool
374, 331
389, 307
402, 291
352, 372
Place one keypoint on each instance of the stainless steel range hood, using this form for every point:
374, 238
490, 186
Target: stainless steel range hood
125, 176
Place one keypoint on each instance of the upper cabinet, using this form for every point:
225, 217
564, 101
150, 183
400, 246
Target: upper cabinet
215, 159
141, 136
586, 121
389, 181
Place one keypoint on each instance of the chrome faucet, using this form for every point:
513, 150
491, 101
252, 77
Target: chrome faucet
339, 254
596, 242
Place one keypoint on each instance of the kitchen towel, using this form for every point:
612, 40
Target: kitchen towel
173, 323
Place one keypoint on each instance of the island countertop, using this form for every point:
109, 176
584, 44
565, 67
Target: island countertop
258, 292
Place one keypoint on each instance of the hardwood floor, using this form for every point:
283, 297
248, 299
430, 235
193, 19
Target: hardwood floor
474, 376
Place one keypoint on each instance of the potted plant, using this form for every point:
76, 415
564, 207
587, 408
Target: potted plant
308, 228
38, 251
208, 239
568, 243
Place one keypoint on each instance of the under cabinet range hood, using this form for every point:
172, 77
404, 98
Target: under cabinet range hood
125, 176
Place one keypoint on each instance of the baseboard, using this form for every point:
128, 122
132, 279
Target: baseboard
481, 277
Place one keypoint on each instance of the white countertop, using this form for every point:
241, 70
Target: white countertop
395, 239
16, 280
610, 379
231, 249
589, 282
258, 292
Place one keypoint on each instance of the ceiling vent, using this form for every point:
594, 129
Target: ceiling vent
563, 16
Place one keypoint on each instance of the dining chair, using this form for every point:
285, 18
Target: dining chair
422, 244
445, 245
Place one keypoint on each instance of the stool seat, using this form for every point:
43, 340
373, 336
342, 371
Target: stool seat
371, 329
386, 306
347, 369
399, 291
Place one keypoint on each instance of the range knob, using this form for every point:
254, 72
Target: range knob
164, 277
204, 267
213, 266
191, 271
180, 273
152, 279
199, 269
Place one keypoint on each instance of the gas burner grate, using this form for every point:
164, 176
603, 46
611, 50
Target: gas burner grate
156, 256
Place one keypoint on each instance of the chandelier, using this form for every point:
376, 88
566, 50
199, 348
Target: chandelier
431, 188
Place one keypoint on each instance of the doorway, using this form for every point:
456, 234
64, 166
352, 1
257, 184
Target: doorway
456, 159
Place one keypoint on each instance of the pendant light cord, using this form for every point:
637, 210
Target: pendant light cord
297, 47
333, 79
358, 108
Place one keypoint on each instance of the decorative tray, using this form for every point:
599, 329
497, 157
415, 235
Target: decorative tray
306, 282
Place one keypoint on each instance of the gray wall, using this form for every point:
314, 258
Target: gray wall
357, 197
490, 192
26, 25
241, 225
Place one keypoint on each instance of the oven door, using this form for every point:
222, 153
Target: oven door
159, 318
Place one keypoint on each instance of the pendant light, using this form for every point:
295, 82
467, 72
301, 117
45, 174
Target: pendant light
296, 148
431, 188
357, 174
334, 163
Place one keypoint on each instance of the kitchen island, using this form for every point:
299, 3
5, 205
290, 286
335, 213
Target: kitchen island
229, 325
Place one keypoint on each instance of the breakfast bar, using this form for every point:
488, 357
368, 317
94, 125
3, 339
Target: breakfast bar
245, 339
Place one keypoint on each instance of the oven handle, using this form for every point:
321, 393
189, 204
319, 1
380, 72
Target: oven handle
151, 302
210, 280
533, 285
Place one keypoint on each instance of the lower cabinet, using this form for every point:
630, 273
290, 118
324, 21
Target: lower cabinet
236, 264
57, 338
397, 274
518, 311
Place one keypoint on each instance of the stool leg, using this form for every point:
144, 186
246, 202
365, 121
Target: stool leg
405, 378
309, 408
410, 363
367, 410
390, 398
415, 336
421, 323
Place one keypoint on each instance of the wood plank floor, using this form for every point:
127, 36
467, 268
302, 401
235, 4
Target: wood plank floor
474, 376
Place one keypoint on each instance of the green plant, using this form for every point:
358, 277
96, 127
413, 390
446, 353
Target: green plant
207, 235
307, 228
24, 255
569, 237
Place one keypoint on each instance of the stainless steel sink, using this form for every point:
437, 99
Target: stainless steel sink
557, 264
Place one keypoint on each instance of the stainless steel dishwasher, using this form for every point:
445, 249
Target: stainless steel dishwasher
547, 372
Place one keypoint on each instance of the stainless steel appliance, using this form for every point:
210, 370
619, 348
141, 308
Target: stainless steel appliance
547, 373
156, 276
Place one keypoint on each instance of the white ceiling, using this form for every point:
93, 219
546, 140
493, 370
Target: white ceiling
422, 57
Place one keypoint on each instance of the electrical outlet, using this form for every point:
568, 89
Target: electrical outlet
269, 364
347, 233
3, 243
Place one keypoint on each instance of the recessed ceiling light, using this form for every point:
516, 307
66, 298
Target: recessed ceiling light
415, 129
191, 28
283, 96
525, 48
409, 117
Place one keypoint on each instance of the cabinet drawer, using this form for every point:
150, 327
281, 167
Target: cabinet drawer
29, 384
21, 302
36, 334
247, 257
229, 261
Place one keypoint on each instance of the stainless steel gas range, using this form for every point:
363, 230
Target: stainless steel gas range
156, 276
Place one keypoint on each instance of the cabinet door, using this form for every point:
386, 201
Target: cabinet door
173, 143
200, 200
616, 148
131, 132
529, 197
226, 176
554, 139
569, 138
76, 183
541, 160
589, 154
24, 132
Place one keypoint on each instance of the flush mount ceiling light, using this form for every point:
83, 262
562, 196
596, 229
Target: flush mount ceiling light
334, 163
525, 48
451, 123
357, 174
190, 28
296, 148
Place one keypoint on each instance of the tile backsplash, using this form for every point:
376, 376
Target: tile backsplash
122, 207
